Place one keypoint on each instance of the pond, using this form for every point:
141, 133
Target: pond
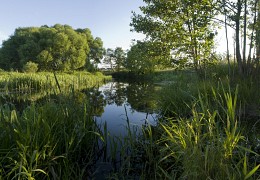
133, 103
118, 104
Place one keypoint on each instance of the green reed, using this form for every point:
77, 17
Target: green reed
14, 82
209, 144
206, 144
56, 139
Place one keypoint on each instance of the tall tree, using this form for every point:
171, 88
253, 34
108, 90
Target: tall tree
145, 57
242, 15
258, 32
59, 47
184, 26
120, 57
110, 58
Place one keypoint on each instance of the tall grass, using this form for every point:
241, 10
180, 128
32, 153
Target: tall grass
57, 139
201, 134
208, 144
14, 82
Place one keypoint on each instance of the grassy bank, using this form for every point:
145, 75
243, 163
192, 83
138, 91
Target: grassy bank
14, 82
208, 129
54, 138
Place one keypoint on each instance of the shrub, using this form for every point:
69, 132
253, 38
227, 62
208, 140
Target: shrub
30, 67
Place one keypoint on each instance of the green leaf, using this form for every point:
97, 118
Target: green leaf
252, 172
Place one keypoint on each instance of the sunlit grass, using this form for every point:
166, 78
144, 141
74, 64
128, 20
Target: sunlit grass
14, 82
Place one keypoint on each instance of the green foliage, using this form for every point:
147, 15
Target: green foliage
36, 85
30, 67
115, 58
207, 141
185, 27
120, 57
53, 48
51, 140
144, 57
110, 58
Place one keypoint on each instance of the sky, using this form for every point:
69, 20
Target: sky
107, 19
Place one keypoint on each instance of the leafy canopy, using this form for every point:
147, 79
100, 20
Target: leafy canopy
184, 26
52, 48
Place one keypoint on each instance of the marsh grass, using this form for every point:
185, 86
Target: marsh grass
199, 136
48, 141
14, 82
54, 139
201, 133
206, 145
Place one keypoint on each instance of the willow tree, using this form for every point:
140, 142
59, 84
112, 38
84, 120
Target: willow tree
59, 47
185, 26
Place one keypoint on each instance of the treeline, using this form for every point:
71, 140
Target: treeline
184, 32
44, 48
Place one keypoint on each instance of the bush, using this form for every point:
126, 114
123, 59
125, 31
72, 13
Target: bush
30, 67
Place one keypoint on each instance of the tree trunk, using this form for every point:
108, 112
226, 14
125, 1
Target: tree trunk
249, 59
229, 66
237, 30
244, 46
258, 34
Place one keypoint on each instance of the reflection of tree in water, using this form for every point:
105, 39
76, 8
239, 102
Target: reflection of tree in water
96, 101
116, 93
142, 96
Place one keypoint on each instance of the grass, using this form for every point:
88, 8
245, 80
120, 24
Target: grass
14, 82
55, 138
205, 130
209, 144
201, 133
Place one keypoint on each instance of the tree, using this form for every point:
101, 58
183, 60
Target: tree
258, 32
120, 57
96, 50
95, 45
53, 48
110, 58
30, 67
183, 26
144, 57
242, 15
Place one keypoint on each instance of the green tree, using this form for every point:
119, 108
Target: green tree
96, 50
242, 16
59, 47
120, 57
184, 26
145, 57
110, 58
30, 67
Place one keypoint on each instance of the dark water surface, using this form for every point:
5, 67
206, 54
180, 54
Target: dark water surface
133, 103
118, 104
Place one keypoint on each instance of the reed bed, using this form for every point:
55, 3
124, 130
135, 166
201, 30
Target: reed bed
207, 144
14, 82
55, 139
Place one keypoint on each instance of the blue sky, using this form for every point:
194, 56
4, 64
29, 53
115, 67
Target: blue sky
108, 19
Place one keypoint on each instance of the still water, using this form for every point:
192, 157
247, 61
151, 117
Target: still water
114, 103
135, 102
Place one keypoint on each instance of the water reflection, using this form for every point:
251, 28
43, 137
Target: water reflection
135, 102
113, 103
